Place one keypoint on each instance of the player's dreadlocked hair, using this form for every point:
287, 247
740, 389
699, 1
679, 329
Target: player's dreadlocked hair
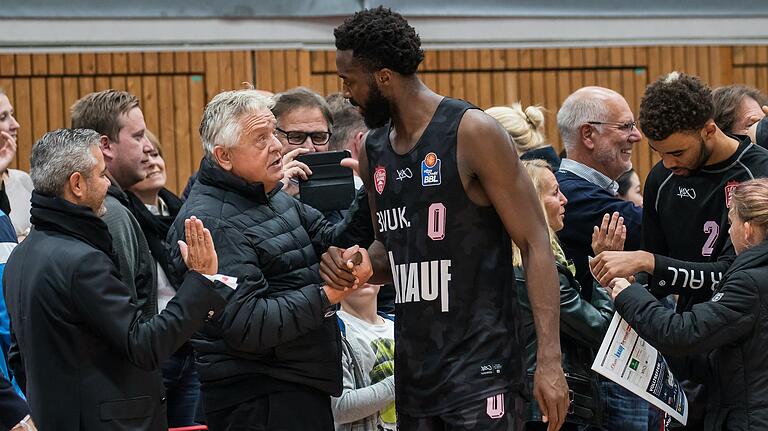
381, 38
675, 103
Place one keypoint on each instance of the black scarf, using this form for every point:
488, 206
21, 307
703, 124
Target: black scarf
49, 213
155, 227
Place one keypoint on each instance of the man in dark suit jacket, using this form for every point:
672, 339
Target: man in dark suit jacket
13, 409
84, 353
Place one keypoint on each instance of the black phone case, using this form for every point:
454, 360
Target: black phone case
331, 186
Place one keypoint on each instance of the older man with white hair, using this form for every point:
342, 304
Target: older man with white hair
278, 349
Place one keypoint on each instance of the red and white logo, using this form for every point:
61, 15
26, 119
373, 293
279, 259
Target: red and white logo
380, 178
729, 192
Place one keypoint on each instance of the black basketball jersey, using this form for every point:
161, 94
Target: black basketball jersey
685, 218
455, 294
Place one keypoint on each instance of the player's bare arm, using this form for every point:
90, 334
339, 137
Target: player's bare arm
492, 175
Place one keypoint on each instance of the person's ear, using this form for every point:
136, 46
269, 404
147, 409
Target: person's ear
586, 133
223, 157
77, 185
709, 129
753, 235
105, 145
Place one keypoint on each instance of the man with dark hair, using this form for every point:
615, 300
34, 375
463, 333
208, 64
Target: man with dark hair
444, 239
737, 107
687, 195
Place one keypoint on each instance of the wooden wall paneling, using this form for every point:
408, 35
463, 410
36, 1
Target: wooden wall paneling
165, 131
71, 64
317, 65
691, 65
511, 81
197, 62
22, 103
332, 81
498, 89
88, 63
151, 62
135, 62
55, 64
212, 86
39, 64
444, 67
304, 69
39, 123
165, 62
703, 66
102, 63
430, 61
182, 140
537, 95
278, 71
102, 82
762, 79
7, 65
55, 103
472, 63
118, 82
738, 55
264, 70
180, 62
484, 79
551, 103
23, 64
120, 63
133, 86
150, 104
750, 75
459, 67
85, 85
242, 69
196, 106
292, 68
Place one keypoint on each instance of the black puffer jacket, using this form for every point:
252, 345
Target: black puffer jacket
730, 334
273, 334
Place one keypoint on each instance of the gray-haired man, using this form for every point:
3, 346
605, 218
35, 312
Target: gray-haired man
85, 354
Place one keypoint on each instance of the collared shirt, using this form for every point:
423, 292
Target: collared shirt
595, 177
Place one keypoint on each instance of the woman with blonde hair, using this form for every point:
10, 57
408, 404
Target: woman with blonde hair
584, 316
723, 341
526, 128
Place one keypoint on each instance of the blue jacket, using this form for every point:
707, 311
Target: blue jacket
587, 203
7, 244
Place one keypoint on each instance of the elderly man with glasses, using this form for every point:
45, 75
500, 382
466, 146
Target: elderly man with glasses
599, 132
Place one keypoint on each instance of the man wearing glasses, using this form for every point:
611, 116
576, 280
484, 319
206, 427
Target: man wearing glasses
599, 131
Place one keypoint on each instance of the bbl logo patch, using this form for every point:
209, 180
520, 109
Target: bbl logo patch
728, 191
430, 170
380, 178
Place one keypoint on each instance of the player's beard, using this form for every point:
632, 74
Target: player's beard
376, 111
704, 155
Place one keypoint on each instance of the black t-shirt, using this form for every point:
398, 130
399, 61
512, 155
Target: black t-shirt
685, 223
456, 325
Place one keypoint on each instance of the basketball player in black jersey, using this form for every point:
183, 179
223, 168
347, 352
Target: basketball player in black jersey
686, 247
447, 192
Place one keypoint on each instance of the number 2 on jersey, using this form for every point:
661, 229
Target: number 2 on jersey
713, 229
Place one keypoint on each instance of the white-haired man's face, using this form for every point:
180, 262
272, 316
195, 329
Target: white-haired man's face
257, 157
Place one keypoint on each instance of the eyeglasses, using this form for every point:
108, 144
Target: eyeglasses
624, 127
298, 138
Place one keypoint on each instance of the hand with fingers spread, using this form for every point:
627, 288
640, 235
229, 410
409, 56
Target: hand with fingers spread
611, 234
7, 150
551, 392
198, 251
293, 170
620, 264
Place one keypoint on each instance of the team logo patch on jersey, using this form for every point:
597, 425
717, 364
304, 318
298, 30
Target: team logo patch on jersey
729, 191
380, 178
430, 170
